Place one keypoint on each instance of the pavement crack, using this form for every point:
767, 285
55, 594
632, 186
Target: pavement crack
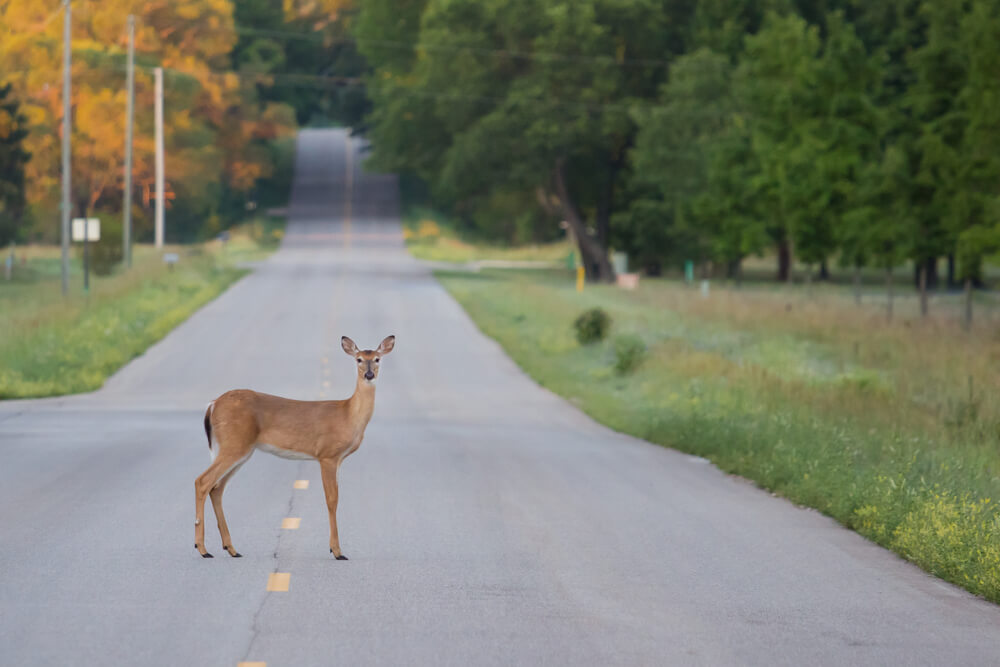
255, 620
12, 415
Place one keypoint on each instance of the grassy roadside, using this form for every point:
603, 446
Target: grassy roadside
892, 430
430, 240
51, 345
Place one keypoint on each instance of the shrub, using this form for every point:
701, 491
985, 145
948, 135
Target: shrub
630, 351
592, 326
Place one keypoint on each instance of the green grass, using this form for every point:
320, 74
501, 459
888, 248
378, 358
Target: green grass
52, 345
893, 430
429, 239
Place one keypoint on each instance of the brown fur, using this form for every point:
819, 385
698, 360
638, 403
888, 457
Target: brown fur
327, 431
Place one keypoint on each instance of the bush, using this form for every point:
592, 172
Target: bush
630, 351
592, 326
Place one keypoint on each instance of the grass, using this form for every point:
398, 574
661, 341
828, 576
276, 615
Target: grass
52, 345
892, 429
431, 240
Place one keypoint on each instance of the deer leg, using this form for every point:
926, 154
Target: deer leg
216, 495
206, 481
329, 468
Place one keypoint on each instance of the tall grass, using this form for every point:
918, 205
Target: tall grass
892, 429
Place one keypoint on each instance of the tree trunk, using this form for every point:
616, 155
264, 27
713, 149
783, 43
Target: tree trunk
857, 284
784, 261
888, 291
593, 255
932, 273
734, 270
923, 289
967, 322
604, 205
824, 271
951, 271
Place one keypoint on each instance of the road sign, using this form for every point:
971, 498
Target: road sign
93, 226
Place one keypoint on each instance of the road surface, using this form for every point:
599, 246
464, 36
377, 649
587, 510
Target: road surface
487, 521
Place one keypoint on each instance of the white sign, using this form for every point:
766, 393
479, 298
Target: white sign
93, 229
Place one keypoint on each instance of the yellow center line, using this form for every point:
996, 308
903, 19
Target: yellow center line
349, 187
251, 664
278, 581
301, 484
291, 522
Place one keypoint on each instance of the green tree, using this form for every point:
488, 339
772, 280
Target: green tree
526, 96
677, 142
775, 86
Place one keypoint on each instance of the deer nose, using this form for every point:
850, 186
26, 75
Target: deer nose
369, 375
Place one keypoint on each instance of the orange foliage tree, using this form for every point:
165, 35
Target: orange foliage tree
214, 126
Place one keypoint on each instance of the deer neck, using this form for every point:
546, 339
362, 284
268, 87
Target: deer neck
362, 402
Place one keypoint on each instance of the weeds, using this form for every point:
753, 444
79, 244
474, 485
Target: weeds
630, 351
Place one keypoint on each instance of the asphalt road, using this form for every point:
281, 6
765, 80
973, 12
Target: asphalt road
487, 521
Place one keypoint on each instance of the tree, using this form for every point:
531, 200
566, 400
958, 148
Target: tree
13, 158
847, 134
519, 96
775, 85
678, 141
212, 134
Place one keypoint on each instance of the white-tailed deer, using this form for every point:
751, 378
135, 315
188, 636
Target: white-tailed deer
242, 421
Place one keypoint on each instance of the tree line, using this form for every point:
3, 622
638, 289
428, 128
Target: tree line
239, 77
830, 131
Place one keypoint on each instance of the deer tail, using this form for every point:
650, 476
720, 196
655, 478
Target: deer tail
208, 423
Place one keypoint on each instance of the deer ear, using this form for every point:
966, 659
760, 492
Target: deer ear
385, 347
349, 346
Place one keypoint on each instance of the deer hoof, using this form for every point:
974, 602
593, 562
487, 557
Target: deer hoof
207, 555
341, 557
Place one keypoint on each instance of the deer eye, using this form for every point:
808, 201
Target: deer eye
359, 360
376, 360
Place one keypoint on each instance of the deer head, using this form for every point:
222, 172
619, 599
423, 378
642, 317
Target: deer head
368, 360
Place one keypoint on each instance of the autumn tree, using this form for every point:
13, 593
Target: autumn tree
211, 132
12, 160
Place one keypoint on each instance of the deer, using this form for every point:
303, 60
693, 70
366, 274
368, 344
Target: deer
241, 421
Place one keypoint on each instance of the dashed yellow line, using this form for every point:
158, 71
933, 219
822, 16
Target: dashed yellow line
301, 484
278, 581
291, 523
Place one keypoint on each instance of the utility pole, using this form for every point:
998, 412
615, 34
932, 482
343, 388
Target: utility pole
65, 148
158, 74
129, 113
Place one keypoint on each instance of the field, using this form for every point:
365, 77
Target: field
892, 429
52, 345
